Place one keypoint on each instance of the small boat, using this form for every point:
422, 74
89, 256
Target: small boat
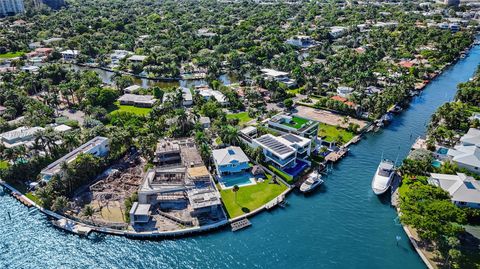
314, 180
383, 177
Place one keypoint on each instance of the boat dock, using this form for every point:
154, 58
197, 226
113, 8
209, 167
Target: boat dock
72, 227
334, 156
394, 190
240, 224
279, 200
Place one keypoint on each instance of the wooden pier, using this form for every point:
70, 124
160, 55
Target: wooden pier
240, 224
336, 155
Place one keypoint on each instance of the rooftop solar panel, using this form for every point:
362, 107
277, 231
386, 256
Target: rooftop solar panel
292, 138
274, 145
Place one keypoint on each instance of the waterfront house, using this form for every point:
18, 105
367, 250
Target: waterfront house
137, 100
467, 153
139, 213
464, 190
207, 93
132, 89
20, 136
69, 55
285, 123
287, 152
117, 55
98, 146
230, 160
283, 77
137, 58
187, 97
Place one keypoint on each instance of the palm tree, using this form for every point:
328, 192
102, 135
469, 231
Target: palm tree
88, 212
60, 204
235, 190
229, 135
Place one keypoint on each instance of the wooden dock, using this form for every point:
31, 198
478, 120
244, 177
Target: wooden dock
336, 155
240, 224
394, 190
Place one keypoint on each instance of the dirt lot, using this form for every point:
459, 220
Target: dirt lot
326, 117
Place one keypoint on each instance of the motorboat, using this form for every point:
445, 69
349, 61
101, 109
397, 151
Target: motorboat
383, 177
314, 180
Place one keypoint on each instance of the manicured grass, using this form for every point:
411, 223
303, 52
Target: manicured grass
297, 122
9, 55
288, 178
32, 197
142, 111
334, 133
242, 117
3, 164
251, 197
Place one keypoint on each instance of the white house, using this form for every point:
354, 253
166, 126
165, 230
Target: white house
337, 31
187, 97
284, 151
70, 55
98, 146
344, 91
137, 100
132, 89
464, 190
208, 93
230, 160
20, 136
467, 153
137, 58
279, 76
302, 41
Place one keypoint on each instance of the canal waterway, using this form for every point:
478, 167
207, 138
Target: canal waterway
343, 225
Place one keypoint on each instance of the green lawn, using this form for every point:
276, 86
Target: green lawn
297, 122
32, 197
251, 197
242, 117
334, 133
3, 164
142, 111
9, 55
288, 178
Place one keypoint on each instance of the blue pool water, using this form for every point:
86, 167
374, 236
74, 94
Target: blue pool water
436, 163
237, 179
297, 169
442, 151
342, 226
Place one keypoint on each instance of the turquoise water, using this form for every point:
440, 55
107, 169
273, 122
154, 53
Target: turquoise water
437, 164
237, 179
442, 151
343, 225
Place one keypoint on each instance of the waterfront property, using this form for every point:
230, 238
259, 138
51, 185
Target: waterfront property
467, 153
98, 146
137, 100
464, 190
285, 123
20, 136
69, 55
179, 189
187, 97
232, 167
132, 89
283, 77
288, 152
207, 93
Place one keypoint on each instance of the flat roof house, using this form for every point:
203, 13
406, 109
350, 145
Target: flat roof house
97, 146
208, 93
285, 123
337, 31
20, 136
287, 152
187, 97
139, 213
344, 91
302, 41
137, 58
132, 89
137, 100
230, 160
467, 153
279, 76
464, 190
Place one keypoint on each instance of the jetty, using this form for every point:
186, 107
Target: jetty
334, 156
240, 224
72, 227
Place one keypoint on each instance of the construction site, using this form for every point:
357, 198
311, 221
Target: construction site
108, 193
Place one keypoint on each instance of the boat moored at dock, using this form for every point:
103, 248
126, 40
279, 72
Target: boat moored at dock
383, 177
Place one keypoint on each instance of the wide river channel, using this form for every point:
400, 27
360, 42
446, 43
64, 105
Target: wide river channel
343, 225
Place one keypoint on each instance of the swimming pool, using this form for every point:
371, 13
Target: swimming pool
241, 179
437, 163
442, 151
297, 169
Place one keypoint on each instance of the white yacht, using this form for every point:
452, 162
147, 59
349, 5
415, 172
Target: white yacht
314, 180
383, 177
